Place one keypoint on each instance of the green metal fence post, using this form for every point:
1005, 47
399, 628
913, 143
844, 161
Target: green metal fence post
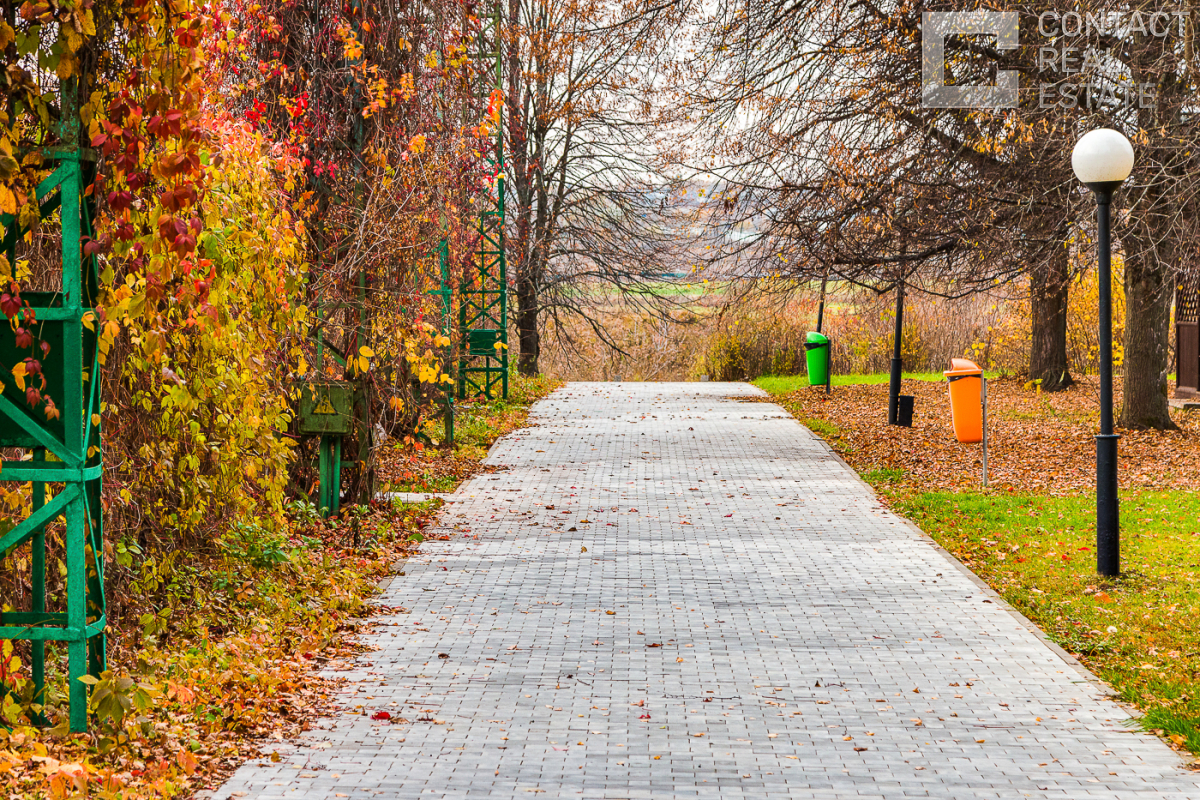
38, 582
446, 295
77, 650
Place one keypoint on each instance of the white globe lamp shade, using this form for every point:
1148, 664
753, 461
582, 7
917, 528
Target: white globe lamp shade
1102, 156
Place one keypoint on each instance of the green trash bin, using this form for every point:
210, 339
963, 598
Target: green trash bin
816, 347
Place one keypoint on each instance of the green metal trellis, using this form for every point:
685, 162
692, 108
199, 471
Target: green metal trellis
64, 464
483, 294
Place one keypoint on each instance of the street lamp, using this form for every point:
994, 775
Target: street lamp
1102, 160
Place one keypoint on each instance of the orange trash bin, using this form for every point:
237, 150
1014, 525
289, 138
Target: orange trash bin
966, 403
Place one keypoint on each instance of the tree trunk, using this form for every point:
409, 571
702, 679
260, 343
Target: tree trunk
1048, 290
519, 261
527, 325
1149, 291
1154, 244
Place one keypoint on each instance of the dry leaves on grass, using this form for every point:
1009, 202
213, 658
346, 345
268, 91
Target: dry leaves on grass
1037, 442
407, 469
236, 670
412, 466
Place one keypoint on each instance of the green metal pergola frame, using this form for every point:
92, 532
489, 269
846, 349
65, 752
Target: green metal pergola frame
483, 294
64, 470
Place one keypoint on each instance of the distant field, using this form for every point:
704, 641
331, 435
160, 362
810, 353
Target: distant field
781, 384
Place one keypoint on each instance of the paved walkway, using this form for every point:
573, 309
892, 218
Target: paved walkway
672, 593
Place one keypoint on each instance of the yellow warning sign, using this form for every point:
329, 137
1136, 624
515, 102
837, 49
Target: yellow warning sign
323, 405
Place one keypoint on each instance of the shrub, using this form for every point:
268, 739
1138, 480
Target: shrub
761, 339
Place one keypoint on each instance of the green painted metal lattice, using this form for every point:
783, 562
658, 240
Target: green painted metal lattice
483, 294
64, 458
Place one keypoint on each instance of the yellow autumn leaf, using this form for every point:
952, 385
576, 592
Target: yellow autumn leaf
19, 373
84, 23
366, 352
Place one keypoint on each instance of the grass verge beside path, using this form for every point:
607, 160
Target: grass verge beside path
413, 467
1031, 536
1138, 632
782, 384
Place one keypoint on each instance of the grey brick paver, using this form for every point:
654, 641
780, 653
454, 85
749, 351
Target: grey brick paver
725, 532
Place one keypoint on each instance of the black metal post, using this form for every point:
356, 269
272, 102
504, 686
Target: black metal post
897, 363
821, 304
1108, 512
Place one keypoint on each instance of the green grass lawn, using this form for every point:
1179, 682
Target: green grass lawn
782, 384
1139, 632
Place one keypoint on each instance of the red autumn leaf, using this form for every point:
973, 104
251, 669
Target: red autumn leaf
9, 305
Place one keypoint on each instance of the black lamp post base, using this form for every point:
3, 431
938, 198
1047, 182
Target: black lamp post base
1108, 513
